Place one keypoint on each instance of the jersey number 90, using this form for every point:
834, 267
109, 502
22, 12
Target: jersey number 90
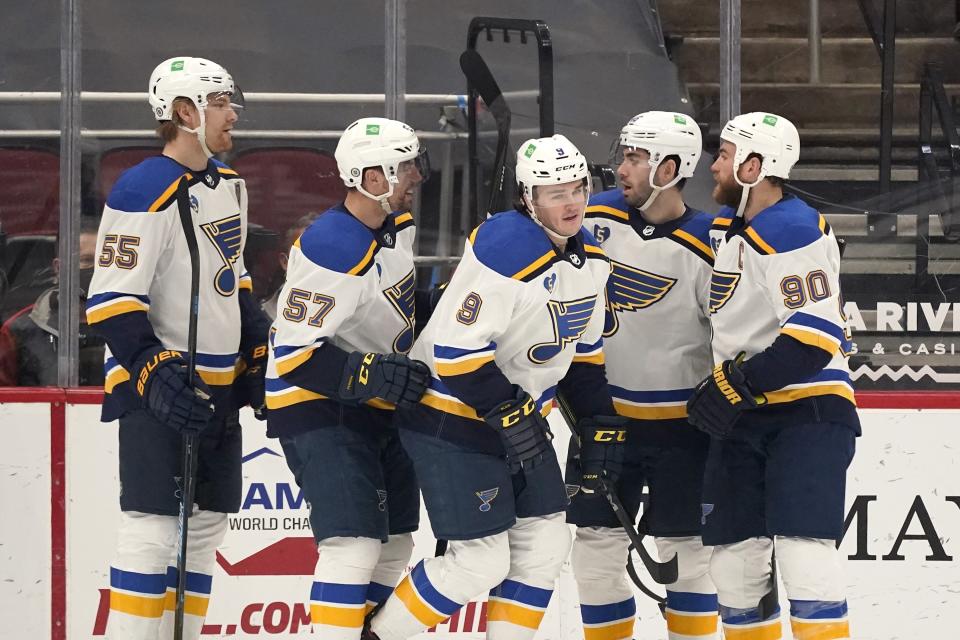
798, 291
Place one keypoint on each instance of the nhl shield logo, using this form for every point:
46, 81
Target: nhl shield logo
575, 259
648, 230
388, 239
486, 497
208, 179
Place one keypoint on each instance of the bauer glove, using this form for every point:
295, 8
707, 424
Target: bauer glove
720, 398
524, 431
602, 448
392, 377
161, 383
251, 385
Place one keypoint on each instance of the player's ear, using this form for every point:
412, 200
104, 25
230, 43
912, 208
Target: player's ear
186, 113
374, 181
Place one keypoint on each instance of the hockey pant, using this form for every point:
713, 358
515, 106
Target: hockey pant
812, 577
518, 567
143, 576
352, 576
607, 607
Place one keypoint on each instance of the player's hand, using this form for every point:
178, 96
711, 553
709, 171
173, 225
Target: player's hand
525, 433
602, 449
251, 386
392, 377
161, 382
720, 398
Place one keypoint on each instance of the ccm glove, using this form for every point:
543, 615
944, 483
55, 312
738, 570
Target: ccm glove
392, 377
525, 433
602, 448
718, 401
162, 386
251, 386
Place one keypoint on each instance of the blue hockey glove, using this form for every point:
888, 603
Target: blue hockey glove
524, 431
720, 398
161, 383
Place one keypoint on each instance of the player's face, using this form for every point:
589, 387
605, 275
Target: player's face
220, 116
634, 175
560, 207
726, 191
409, 179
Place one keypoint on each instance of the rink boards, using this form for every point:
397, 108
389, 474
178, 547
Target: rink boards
58, 482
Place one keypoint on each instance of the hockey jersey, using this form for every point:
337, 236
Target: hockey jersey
775, 294
656, 307
517, 312
348, 288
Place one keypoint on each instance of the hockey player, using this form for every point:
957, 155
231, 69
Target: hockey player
139, 304
779, 402
337, 367
521, 317
656, 313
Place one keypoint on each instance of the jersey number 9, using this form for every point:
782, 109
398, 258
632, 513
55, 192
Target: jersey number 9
469, 309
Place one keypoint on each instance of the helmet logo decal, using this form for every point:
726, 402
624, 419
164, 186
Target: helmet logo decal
530, 149
176, 65
373, 129
677, 118
770, 120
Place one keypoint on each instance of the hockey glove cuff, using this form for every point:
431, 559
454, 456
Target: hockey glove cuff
392, 377
251, 386
718, 401
602, 450
162, 386
524, 431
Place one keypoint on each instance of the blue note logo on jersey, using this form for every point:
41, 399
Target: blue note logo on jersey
570, 320
722, 286
601, 233
226, 236
401, 296
631, 289
486, 497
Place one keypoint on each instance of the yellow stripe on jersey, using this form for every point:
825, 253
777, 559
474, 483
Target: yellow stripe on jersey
589, 248
377, 403
810, 630
117, 375
403, 217
600, 208
227, 172
463, 366
536, 264
789, 395
618, 631
365, 261
500, 611
667, 412
692, 625
473, 235
153, 208
281, 400
286, 365
813, 339
218, 378
139, 606
722, 222
822, 223
450, 406
350, 617
117, 308
594, 358
694, 241
761, 243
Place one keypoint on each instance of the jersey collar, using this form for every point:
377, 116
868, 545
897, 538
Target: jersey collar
650, 231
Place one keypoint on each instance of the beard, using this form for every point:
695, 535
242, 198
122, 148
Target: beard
635, 198
728, 193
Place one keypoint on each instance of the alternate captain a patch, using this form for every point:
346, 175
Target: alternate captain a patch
631, 289
570, 320
226, 235
401, 296
722, 286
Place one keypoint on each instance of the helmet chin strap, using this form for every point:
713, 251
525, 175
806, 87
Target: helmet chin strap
656, 190
200, 132
745, 188
382, 198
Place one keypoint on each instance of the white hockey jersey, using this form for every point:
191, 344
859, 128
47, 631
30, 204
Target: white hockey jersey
780, 275
143, 267
519, 304
657, 331
349, 286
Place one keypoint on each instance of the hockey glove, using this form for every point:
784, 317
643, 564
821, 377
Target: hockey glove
525, 433
162, 386
392, 377
602, 448
251, 387
718, 401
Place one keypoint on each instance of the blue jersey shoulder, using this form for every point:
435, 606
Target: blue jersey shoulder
789, 225
698, 225
145, 186
609, 204
509, 242
339, 242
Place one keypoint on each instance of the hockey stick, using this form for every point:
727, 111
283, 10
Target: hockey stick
479, 76
661, 572
771, 600
189, 465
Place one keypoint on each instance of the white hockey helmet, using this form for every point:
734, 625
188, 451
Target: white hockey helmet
186, 77
553, 160
663, 134
377, 142
547, 161
772, 137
